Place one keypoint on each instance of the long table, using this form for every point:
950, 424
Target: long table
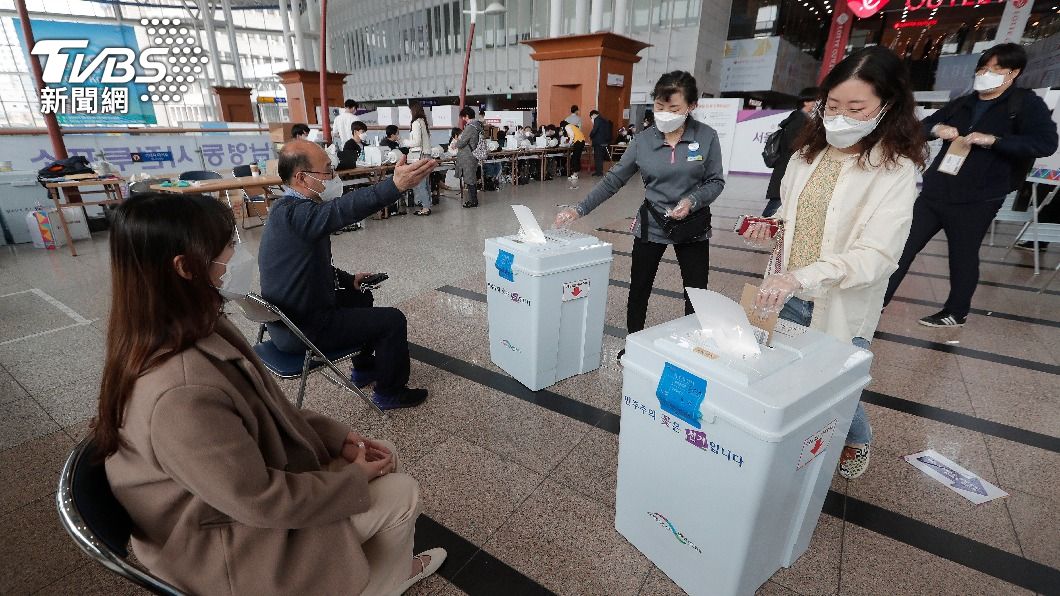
110, 188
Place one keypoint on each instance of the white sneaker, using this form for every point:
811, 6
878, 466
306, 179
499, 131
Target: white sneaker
437, 556
854, 461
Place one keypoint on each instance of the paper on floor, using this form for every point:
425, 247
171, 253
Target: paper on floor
529, 228
967, 484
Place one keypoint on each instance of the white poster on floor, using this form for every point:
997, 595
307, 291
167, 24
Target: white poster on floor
967, 484
752, 128
720, 114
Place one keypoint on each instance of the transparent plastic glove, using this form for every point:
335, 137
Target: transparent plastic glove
758, 235
681, 211
775, 291
566, 217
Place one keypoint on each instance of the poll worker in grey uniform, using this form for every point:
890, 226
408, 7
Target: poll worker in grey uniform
679, 160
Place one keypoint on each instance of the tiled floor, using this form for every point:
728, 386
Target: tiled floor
520, 486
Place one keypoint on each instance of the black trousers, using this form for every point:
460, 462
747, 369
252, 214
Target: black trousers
599, 155
576, 156
692, 257
382, 331
966, 225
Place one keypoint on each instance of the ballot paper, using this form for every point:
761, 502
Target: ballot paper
530, 230
726, 322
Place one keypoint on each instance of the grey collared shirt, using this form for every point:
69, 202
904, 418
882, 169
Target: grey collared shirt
692, 170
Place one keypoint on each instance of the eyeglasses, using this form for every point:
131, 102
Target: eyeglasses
855, 113
995, 70
329, 173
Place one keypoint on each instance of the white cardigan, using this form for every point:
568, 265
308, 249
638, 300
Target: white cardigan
865, 231
420, 137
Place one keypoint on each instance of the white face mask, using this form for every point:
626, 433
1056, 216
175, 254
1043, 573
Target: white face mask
843, 132
988, 81
332, 188
238, 277
668, 122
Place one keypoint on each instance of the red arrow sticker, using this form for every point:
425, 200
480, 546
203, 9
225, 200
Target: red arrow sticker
816, 444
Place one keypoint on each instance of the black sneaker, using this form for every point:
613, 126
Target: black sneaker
405, 398
943, 319
1029, 246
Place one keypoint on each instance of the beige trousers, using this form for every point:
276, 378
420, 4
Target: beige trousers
388, 528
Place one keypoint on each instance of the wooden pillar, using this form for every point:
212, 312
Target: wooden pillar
235, 104
594, 72
303, 92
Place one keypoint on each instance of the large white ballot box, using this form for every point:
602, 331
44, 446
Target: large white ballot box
546, 303
723, 467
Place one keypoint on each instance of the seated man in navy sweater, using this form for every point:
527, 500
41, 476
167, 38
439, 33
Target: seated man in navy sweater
325, 302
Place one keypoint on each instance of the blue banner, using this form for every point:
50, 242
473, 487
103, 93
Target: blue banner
93, 93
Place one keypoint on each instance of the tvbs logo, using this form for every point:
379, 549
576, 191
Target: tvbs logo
119, 65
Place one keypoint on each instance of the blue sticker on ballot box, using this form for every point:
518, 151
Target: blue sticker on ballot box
504, 265
681, 393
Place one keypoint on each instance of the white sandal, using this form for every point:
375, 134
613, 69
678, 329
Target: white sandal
437, 556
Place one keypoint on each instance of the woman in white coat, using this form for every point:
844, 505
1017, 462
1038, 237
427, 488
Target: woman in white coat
420, 145
847, 203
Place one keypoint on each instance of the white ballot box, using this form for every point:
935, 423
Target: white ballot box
724, 463
546, 302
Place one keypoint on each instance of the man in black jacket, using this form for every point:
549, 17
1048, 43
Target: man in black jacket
327, 303
791, 127
1004, 129
600, 136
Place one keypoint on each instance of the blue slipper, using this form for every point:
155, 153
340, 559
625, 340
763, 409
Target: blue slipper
406, 398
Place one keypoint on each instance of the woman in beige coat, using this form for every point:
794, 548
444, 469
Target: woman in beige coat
233, 490
847, 204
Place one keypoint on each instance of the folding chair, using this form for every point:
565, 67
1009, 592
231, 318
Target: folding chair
1031, 222
253, 195
287, 365
96, 521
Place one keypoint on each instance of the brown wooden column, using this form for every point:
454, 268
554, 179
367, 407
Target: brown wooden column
235, 104
574, 69
303, 92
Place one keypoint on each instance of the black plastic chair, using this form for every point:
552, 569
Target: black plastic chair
287, 365
96, 521
199, 175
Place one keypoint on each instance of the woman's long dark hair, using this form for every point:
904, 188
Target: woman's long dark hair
417, 112
155, 313
898, 134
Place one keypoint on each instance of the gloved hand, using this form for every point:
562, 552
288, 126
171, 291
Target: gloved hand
681, 211
775, 291
566, 217
758, 235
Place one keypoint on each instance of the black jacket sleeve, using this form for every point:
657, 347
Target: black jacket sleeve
1035, 134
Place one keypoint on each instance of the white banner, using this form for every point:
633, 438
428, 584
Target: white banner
1014, 21
749, 64
219, 152
751, 131
720, 114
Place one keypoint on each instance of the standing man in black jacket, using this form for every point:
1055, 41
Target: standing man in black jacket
791, 127
600, 136
1004, 128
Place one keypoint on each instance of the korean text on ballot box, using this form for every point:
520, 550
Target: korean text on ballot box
727, 449
546, 293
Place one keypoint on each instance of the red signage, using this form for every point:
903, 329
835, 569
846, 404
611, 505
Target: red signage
915, 24
933, 4
836, 47
864, 9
